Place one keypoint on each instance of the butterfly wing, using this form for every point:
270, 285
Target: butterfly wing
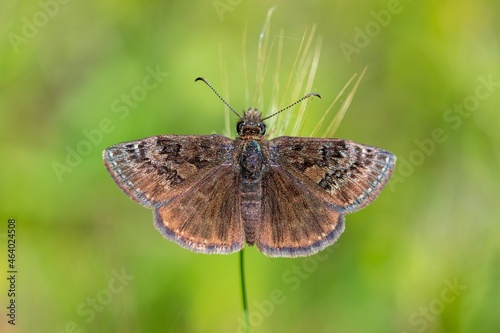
154, 170
177, 176
207, 217
295, 221
309, 185
352, 174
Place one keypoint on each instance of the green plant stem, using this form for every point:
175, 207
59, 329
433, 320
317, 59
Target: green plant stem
246, 318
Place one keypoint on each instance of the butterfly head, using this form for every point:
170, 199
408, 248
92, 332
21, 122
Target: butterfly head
251, 125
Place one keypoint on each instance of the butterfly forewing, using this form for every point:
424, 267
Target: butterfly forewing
154, 170
352, 174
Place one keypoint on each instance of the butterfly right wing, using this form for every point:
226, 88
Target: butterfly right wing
309, 185
296, 220
349, 173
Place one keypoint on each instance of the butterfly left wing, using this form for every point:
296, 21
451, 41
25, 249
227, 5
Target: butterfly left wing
207, 217
191, 183
154, 170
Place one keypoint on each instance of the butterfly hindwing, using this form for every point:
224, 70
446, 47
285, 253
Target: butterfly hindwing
207, 217
295, 220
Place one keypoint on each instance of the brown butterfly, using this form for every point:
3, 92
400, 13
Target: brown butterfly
212, 194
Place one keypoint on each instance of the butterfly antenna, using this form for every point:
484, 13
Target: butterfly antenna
215, 91
289, 106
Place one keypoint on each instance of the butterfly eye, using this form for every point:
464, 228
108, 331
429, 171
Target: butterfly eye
239, 126
262, 128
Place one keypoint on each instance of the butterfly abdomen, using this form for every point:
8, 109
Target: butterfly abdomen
251, 198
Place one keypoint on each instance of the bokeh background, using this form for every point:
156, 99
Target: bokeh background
76, 77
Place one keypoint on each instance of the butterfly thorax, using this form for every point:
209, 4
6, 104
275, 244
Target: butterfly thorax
251, 131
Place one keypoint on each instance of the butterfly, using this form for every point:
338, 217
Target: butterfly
212, 194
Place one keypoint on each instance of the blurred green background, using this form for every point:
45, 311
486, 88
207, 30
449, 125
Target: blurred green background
425, 257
